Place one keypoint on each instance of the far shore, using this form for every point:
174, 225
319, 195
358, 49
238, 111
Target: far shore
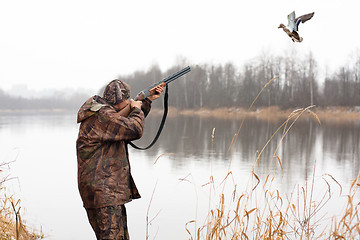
273, 113
330, 114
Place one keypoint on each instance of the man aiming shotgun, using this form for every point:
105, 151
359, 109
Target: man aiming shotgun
108, 123
152, 89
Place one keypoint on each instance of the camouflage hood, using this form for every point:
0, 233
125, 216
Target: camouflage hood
90, 107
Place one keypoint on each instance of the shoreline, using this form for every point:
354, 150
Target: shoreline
329, 114
273, 113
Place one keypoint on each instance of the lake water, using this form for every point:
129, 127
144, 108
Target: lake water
172, 176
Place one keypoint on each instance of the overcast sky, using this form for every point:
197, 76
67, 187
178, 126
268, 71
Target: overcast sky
87, 43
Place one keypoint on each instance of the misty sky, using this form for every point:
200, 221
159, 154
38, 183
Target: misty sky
87, 43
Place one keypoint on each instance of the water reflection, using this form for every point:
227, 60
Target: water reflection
306, 142
342, 143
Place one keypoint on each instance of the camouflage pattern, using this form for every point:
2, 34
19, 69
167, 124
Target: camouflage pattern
116, 92
104, 177
109, 222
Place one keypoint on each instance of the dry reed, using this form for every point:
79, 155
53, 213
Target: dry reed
12, 226
260, 211
338, 115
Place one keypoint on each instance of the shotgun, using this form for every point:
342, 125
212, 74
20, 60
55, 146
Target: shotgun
151, 90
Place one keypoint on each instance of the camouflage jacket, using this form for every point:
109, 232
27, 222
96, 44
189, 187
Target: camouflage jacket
104, 177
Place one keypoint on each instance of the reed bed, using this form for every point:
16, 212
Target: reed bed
338, 115
12, 227
261, 211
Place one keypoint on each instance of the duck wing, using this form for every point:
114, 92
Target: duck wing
291, 22
303, 19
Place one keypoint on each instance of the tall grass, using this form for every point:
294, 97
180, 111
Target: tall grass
261, 211
12, 226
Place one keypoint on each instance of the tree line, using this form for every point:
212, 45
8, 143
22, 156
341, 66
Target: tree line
297, 84
58, 101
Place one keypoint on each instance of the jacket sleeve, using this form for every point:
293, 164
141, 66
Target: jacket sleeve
110, 126
146, 106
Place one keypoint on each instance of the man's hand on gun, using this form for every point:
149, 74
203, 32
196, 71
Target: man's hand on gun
158, 90
155, 95
135, 104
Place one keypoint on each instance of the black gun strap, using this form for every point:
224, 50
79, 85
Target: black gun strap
161, 124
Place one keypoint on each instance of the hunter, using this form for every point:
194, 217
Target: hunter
104, 177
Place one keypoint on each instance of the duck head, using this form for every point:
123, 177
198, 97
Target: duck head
281, 26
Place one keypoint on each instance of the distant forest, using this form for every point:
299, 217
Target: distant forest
214, 86
58, 101
297, 85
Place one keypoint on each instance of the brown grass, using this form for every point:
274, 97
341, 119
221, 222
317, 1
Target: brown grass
12, 226
260, 211
337, 115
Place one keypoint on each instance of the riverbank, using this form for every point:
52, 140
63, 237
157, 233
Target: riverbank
330, 114
274, 113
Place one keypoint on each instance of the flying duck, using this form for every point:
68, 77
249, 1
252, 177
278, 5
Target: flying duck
293, 25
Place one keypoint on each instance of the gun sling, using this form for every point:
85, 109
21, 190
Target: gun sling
161, 124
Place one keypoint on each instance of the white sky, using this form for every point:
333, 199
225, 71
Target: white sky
87, 43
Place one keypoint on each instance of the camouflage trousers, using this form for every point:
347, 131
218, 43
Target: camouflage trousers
109, 223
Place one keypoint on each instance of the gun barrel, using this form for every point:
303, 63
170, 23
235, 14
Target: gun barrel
177, 75
170, 78
146, 92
